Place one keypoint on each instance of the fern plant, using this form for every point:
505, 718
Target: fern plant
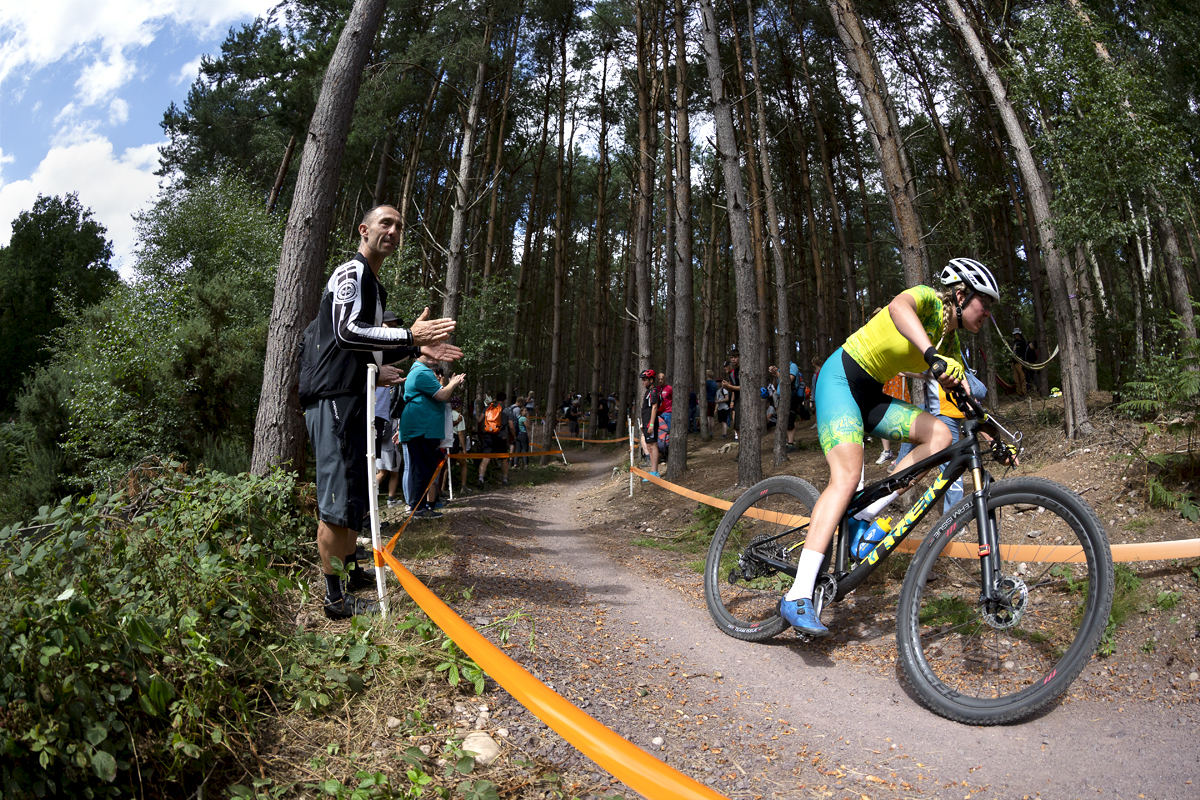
1165, 402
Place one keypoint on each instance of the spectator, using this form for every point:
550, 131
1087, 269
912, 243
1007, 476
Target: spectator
799, 403
733, 382
936, 403
346, 336
571, 412
461, 445
693, 411
602, 413
1020, 349
651, 403
723, 404
497, 430
422, 429
710, 398
522, 436
388, 460
614, 412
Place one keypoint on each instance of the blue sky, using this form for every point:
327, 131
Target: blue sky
83, 87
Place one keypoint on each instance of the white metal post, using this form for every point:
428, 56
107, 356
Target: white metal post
373, 489
629, 422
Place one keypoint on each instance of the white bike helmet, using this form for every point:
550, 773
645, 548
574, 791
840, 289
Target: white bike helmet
973, 274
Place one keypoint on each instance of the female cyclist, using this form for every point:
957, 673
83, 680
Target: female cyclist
851, 403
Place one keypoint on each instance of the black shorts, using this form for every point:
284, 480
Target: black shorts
493, 443
341, 461
722, 415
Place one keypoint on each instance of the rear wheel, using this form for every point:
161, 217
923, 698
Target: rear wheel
989, 663
752, 559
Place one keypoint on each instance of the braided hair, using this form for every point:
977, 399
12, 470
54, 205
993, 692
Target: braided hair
950, 304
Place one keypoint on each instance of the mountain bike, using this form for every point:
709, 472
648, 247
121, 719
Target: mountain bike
991, 626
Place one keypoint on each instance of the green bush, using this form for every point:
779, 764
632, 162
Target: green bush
138, 628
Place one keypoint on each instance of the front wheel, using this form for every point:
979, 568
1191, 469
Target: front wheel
986, 663
752, 559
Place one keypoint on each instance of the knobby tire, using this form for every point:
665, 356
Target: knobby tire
987, 666
742, 594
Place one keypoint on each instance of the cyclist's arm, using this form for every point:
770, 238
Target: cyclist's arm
903, 310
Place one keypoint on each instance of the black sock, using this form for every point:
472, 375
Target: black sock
333, 588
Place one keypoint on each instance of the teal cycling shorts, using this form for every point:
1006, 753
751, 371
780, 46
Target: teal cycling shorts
851, 404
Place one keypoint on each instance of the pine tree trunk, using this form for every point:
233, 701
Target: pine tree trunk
643, 236
410, 168
684, 331
1070, 336
784, 350
462, 199
600, 294
750, 410
560, 234
897, 180
279, 427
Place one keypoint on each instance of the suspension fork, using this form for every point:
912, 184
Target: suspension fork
989, 537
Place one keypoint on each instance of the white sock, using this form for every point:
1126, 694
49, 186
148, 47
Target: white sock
872, 511
806, 575
862, 477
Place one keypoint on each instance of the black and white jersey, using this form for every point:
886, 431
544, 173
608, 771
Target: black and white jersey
348, 334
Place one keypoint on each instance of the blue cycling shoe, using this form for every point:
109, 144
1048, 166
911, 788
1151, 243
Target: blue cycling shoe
802, 615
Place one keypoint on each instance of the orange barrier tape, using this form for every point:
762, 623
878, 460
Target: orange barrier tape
638, 769
590, 441
412, 511
790, 520
1148, 551
470, 456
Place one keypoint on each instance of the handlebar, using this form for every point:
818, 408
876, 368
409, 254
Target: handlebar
970, 407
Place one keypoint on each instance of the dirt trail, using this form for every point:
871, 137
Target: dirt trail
630, 640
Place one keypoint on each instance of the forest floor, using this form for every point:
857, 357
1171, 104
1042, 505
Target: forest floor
597, 595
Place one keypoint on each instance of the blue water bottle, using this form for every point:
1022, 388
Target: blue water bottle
874, 533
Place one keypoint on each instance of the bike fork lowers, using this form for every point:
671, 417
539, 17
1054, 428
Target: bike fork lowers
988, 535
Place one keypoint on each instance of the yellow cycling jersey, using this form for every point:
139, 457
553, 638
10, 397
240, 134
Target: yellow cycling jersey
883, 352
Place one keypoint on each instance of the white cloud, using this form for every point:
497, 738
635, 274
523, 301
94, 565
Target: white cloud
35, 35
188, 72
113, 187
100, 79
118, 111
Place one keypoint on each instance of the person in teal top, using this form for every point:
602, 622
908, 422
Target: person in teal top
422, 428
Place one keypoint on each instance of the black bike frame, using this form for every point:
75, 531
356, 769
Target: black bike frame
959, 457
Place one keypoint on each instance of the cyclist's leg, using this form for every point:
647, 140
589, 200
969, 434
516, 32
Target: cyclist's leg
926, 432
840, 427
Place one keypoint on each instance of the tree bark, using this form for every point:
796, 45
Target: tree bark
784, 349
684, 332
750, 410
279, 427
897, 181
645, 189
1069, 335
462, 186
560, 234
600, 295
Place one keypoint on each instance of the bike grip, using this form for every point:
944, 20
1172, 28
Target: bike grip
937, 368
